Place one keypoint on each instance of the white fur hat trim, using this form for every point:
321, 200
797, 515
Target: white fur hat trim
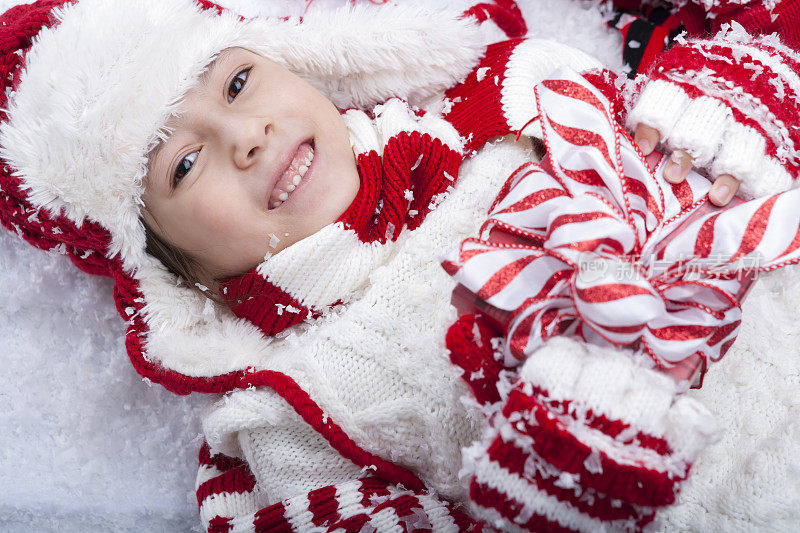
99, 86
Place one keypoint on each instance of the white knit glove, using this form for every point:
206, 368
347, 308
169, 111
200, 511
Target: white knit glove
732, 104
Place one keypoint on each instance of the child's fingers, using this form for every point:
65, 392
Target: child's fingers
646, 138
725, 186
679, 163
678, 166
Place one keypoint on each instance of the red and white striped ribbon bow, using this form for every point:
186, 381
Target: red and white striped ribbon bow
594, 242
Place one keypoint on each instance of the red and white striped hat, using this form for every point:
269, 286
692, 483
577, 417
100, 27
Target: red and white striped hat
88, 86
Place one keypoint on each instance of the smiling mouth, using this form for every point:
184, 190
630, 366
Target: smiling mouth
293, 176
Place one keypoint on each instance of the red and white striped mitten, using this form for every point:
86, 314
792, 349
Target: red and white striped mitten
733, 103
587, 440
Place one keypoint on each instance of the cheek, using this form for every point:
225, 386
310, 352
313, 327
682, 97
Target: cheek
210, 217
228, 236
222, 218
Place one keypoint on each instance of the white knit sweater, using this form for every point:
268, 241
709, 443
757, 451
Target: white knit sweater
378, 365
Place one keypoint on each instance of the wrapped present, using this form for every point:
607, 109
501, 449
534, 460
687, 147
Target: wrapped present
593, 242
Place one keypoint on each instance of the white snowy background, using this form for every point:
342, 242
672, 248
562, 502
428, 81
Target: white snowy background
86, 445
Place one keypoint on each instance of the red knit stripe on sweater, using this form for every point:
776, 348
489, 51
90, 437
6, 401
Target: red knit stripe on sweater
219, 461
464, 522
220, 524
372, 487
236, 481
272, 519
403, 506
323, 506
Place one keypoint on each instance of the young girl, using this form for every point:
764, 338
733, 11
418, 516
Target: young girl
322, 231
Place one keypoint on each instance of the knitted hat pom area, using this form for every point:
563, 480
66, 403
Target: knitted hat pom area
89, 86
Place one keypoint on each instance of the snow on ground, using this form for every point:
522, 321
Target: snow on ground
85, 443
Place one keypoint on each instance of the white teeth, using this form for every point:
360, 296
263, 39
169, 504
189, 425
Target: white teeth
296, 179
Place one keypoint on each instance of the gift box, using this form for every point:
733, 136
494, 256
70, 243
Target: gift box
593, 242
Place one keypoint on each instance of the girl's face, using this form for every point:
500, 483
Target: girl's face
257, 160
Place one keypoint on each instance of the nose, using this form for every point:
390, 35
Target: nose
248, 140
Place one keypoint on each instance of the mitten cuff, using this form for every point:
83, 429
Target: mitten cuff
743, 155
732, 103
497, 97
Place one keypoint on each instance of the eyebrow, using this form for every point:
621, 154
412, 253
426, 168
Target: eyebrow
203, 79
208, 72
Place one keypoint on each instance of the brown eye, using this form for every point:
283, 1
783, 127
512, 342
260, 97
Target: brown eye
183, 168
237, 84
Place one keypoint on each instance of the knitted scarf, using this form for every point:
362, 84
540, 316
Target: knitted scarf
405, 168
